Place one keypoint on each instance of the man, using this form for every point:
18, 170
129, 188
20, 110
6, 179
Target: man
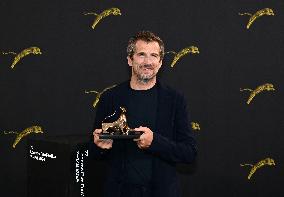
147, 166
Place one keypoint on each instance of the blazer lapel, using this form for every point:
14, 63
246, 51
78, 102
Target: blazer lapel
164, 110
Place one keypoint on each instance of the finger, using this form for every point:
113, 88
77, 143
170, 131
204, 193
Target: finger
137, 139
97, 138
138, 142
143, 136
109, 141
139, 145
97, 131
105, 143
143, 129
98, 141
105, 140
140, 129
105, 146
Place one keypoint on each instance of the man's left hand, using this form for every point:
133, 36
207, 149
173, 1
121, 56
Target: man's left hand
145, 139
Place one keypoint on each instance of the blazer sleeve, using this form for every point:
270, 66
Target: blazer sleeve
103, 107
182, 148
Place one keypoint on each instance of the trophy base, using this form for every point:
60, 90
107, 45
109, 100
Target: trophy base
119, 135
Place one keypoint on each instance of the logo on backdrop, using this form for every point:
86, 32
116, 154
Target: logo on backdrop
259, 89
24, 133
195, 126
105, 13
80, 169
183, 52
22, 54
253, 17
40, 156
255, 167
98, 94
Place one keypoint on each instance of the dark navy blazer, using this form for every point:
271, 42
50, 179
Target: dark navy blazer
172, 140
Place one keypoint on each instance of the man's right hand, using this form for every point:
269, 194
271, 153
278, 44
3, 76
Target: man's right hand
102, 143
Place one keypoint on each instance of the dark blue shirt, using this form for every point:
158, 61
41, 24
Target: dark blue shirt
141, 111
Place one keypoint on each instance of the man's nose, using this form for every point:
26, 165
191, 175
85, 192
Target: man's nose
147, 59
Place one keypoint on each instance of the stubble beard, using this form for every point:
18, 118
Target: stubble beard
142, 78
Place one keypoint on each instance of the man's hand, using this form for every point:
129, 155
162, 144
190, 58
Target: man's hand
102, 143
145, 139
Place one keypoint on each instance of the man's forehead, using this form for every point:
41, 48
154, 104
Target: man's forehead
145, 45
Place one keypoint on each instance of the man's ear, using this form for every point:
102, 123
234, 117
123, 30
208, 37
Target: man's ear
129, 61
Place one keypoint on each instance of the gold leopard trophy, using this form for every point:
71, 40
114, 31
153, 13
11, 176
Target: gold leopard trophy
119, 129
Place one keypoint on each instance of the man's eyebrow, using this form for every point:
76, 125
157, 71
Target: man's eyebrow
141, 53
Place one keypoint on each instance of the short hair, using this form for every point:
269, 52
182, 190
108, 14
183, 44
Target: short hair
146, 36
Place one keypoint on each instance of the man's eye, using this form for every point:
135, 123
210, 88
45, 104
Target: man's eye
155, 56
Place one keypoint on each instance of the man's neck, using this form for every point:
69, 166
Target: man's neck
136, 84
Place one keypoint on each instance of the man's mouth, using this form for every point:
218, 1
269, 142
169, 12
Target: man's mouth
146, 67
147, 70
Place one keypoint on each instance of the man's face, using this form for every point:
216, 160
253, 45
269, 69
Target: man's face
146, 61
